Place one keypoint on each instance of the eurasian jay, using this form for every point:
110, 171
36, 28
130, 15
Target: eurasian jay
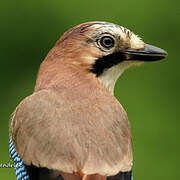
72, 127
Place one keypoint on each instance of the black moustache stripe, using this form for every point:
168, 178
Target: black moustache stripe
107, 62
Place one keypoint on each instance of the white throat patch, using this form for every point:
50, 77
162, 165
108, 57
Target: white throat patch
109, 77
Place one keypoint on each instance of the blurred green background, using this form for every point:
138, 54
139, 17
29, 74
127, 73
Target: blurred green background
150, 93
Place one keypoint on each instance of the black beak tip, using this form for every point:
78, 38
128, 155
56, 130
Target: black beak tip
155, 52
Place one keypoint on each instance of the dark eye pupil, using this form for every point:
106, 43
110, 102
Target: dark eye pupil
107, 42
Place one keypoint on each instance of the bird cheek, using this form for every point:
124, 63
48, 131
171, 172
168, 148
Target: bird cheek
89, 60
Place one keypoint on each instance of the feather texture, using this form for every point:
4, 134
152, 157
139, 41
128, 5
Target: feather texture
72, 124
89, 142
20, 168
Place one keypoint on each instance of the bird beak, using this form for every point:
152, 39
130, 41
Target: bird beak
150, 53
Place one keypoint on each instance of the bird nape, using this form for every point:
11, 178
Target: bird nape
72, 127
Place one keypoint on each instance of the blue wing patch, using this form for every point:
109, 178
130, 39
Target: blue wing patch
20, 168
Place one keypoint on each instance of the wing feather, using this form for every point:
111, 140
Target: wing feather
52, 130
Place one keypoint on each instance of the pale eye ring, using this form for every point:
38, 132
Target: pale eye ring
107, 42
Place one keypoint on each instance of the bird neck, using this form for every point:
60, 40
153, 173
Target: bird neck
109, 77
62, 76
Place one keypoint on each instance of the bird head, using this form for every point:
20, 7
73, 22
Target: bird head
104, 50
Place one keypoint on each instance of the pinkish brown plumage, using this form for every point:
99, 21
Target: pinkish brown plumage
72, 125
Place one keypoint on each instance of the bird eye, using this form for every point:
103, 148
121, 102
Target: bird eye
107, 42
